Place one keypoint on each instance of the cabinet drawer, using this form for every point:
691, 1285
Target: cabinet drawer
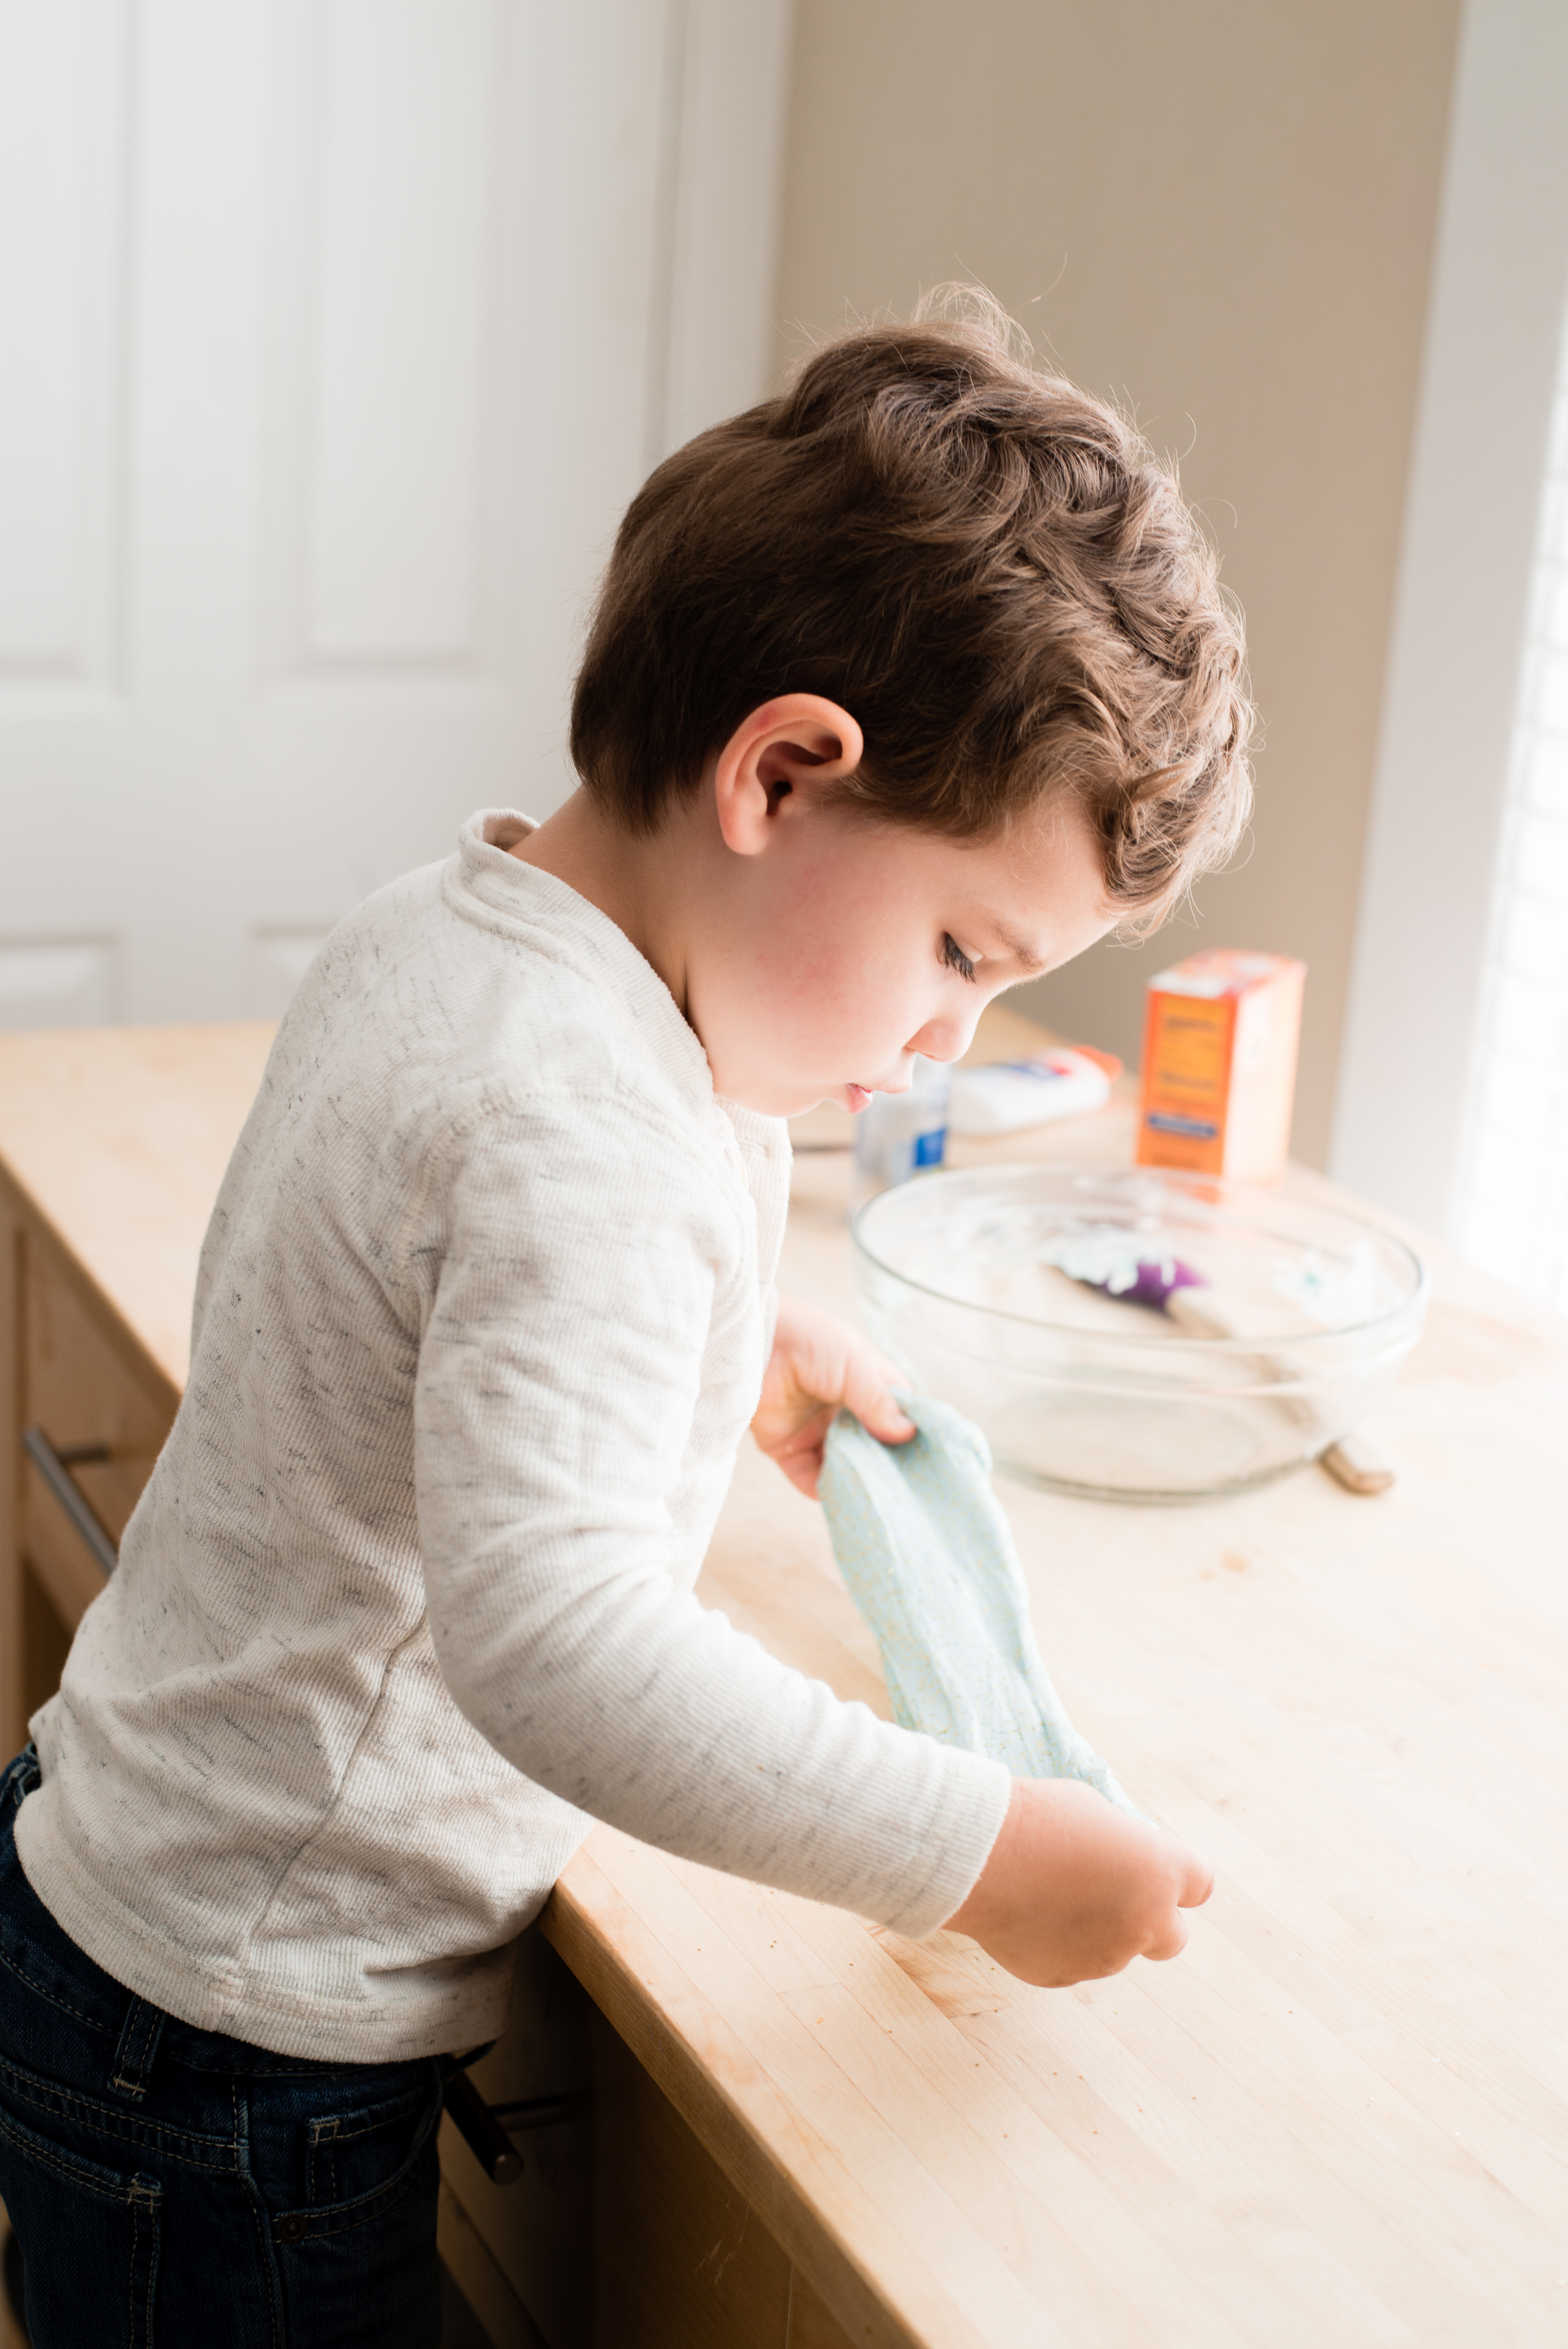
536, 2234
83, 1388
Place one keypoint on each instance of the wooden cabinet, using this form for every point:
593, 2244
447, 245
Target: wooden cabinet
624, 2231
76, 1377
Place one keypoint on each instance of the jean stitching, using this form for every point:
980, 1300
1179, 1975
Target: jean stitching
333, 2123
74, 2172
137, 2049
50, 2097
124, 2128
322, 2159
257, 2208
387, 2198
153, 2214
101, 2125
381, 2198
38, 1990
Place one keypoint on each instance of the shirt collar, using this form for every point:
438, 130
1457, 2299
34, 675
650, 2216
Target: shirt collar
484, 884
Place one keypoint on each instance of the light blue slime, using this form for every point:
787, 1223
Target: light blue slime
928, 1560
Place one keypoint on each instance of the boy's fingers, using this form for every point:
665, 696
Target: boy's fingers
868, 1393
1170, 1942
1198, 1880
1195, 1882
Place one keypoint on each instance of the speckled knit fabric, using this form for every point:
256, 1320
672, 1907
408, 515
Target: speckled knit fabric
929, 1560
482, 1315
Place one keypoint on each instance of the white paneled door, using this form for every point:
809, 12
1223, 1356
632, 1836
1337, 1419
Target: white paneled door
334, 336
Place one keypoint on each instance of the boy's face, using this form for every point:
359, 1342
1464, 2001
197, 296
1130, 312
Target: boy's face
834, 957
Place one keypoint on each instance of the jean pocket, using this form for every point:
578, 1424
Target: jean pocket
89, 2238
356, 2160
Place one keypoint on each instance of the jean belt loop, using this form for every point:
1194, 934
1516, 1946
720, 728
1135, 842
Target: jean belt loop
137, 2050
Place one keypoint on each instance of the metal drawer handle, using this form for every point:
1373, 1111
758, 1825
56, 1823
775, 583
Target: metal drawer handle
490, 2129
55, 1468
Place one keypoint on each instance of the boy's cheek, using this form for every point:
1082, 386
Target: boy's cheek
820, 1009
861, 1008
845, 1041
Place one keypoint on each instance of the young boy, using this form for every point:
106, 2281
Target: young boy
901, 688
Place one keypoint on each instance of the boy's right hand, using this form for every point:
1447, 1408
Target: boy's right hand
1075, 1889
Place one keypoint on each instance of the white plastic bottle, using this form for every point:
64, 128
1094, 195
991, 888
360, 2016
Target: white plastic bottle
1008, 1096
900, 1134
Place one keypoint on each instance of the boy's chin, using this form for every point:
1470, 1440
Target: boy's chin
799, 1102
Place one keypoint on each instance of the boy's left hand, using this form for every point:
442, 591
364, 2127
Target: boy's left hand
819, 1367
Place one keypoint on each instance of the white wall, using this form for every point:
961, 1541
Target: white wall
1496, 311
1221, 211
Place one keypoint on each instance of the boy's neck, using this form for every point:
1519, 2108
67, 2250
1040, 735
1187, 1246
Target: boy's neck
630, 877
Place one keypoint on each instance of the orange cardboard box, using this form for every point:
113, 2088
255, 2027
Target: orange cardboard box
1218, 1064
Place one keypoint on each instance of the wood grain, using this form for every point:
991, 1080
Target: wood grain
119, 1137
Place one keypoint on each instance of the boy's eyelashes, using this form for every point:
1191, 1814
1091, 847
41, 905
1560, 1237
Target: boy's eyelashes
953, 955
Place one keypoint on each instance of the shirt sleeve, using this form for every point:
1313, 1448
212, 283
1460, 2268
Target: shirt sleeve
559, 1378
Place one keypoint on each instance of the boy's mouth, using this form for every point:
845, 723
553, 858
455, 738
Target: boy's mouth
856, 1098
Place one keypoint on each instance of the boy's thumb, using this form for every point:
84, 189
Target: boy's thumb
878, 1411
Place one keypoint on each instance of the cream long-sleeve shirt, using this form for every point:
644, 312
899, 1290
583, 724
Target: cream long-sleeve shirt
408, 1602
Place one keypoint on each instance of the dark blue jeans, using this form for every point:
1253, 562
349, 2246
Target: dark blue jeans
171, 2186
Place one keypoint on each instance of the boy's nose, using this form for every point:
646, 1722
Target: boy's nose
947, 1039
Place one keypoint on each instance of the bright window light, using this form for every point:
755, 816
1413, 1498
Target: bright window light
1511, 1213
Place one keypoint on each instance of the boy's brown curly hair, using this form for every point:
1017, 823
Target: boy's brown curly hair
986, 566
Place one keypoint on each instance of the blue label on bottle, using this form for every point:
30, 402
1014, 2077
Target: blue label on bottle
929, 1147
1195, 1128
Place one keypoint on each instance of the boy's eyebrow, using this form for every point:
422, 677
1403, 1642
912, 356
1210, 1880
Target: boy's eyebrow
1027, 955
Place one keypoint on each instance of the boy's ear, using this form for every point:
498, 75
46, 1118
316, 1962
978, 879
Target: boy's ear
782, 753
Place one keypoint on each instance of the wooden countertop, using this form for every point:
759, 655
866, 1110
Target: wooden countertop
119, 1137
1340, 2118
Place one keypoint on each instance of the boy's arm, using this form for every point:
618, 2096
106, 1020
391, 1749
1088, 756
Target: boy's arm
554, 1408
558, 1409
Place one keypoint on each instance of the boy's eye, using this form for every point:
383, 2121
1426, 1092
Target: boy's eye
953, 955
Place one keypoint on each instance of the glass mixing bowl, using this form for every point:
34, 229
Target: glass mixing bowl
1012, 1293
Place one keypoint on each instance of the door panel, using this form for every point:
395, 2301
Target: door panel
338, 334
62, 108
